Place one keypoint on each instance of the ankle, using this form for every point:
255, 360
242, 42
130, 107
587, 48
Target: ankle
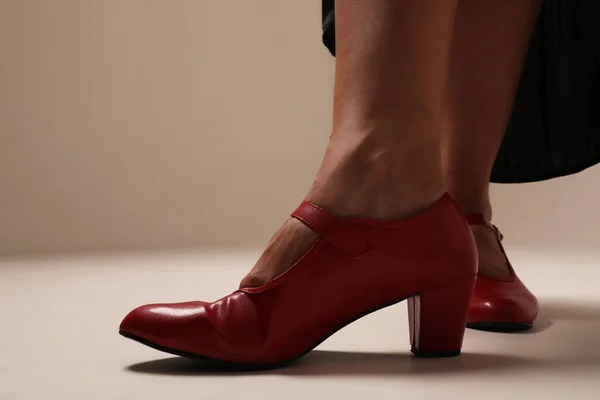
363, 176
474, 203
483, 208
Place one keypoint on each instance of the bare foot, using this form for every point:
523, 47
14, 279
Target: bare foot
355, 179
492, 261
286, 246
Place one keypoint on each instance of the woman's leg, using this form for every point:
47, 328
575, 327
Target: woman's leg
490, 43
383, 157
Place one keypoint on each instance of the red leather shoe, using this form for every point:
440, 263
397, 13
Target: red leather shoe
500, 304
356, 266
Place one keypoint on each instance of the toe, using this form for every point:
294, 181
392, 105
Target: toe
160, 324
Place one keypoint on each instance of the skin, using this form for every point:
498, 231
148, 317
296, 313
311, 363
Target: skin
491, 39
422, 95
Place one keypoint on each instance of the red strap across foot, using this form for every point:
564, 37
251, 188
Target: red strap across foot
347, 237
479, 219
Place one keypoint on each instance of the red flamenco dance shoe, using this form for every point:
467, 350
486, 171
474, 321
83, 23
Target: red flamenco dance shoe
500, 304
356, 266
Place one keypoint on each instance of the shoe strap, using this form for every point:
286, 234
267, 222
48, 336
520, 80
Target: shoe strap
345, 236
479, 219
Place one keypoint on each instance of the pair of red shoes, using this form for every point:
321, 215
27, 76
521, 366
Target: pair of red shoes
357, 266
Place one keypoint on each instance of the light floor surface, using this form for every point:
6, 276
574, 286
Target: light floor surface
59, 318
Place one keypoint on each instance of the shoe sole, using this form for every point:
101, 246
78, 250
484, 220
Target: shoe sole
237, 366
502, 327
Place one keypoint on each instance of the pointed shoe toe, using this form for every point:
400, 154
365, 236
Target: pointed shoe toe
356, 266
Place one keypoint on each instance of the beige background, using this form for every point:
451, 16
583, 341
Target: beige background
130, 124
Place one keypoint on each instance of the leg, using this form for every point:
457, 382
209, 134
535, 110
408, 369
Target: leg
382, 162
490, 42
383, 157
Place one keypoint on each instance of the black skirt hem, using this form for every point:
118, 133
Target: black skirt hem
539, 177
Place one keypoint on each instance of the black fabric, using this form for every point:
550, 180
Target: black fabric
554, 129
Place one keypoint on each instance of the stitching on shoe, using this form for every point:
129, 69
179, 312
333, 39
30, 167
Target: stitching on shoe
328, 234
307, 223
